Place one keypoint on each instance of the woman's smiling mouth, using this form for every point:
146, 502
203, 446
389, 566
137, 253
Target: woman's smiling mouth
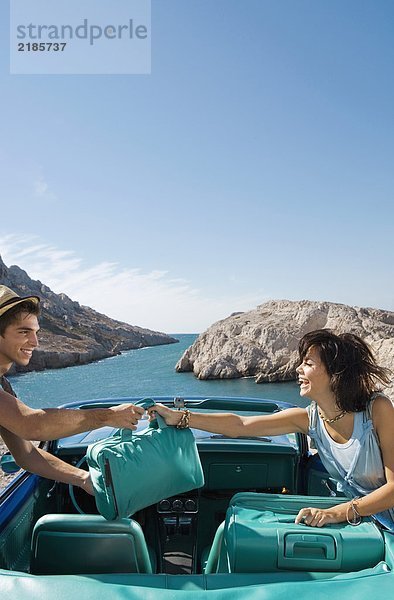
303, 382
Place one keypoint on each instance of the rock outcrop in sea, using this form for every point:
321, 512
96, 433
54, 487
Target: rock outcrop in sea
72, 334
263, 342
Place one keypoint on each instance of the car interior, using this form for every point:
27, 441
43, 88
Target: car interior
239, 524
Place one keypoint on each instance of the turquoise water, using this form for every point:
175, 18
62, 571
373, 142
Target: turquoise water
144, 372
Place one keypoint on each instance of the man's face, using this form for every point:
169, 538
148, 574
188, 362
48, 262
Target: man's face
19, 340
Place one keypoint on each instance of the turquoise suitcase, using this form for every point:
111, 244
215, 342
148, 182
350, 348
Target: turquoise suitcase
260, 535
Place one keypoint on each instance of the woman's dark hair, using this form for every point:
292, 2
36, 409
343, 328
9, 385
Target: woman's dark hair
349, 361
12, 314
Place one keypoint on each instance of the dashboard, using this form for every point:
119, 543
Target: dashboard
252, 463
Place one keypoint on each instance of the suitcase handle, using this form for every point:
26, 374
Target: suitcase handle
304, 546
310, 550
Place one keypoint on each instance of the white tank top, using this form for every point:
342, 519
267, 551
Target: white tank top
345, 453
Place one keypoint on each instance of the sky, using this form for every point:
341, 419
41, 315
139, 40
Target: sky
255, 162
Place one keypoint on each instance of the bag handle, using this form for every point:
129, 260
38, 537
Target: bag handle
145, 403
127, 434
148, 403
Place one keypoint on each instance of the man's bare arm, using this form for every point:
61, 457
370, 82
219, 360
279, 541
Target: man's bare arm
52, 423
38, 461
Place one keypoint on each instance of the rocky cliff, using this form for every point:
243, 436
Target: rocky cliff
72, 334
263, 342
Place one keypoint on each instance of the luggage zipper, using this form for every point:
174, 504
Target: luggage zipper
109, 483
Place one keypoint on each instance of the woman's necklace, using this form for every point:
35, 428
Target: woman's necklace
334, 419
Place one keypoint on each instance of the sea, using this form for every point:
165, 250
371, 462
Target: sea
139, 373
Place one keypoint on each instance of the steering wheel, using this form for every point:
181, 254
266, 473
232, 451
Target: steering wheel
71, 488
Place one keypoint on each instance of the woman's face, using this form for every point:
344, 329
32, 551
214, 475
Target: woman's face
312, 376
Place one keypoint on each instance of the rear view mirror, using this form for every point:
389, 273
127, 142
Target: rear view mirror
8, 464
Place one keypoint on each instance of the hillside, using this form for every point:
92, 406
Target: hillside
72, 334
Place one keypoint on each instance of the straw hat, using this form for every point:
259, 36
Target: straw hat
8, 299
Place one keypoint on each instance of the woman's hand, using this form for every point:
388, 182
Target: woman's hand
318, 517
171, 417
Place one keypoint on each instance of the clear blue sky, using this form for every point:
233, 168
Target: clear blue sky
255, 162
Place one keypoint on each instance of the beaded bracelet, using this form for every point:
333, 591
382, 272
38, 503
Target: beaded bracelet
184, 420
356, 520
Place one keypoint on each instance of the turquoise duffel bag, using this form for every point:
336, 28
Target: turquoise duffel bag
131, 471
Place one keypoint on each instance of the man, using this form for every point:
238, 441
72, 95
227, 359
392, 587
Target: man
19, 424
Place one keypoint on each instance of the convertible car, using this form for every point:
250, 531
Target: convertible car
233, 538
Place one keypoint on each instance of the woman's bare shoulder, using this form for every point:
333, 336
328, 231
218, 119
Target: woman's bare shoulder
382, 410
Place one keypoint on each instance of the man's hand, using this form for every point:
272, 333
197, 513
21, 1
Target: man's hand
86, 483
125, 415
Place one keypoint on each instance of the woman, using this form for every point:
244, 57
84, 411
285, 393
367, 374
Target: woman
350, 423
